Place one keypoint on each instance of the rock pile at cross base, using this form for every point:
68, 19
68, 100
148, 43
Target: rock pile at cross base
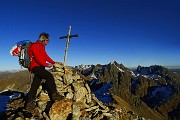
78, 102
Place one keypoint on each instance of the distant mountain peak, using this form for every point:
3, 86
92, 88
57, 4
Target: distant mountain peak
113, 62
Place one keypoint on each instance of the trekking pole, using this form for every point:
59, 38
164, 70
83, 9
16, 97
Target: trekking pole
69, 36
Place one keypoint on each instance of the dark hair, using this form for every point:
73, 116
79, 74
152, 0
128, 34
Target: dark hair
46, 35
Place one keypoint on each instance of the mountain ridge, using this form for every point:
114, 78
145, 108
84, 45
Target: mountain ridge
124, 82
128, 85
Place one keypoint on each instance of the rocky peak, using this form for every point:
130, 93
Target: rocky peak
154, 69
78, 103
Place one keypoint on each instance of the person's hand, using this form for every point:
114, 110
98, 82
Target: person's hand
50, 65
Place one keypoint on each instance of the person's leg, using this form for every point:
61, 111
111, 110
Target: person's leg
52, 90
30, 103
34, 86
44, 74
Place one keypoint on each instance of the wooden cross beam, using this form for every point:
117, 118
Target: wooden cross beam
69, 36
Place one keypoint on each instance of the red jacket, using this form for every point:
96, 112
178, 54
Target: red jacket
38, 55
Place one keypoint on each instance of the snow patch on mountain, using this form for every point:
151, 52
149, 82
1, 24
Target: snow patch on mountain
3, 102
114, 63
82, 67
5, 97
132, 73
163, 91
158, 95
153, 72
93, 76
101, 90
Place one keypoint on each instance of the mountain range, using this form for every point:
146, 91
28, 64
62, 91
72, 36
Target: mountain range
151, 92
148, 90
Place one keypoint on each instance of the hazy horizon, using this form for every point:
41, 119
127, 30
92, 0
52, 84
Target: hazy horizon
134, 67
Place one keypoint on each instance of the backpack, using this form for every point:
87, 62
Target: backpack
21, 50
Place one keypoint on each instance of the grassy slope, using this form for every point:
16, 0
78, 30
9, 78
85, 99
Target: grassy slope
20, 80
151, 114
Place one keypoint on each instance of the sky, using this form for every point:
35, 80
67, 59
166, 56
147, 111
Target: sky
131, 32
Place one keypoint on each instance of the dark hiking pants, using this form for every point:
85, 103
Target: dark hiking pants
39, 74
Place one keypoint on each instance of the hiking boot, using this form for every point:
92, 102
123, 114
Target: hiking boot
31, 105
56, 97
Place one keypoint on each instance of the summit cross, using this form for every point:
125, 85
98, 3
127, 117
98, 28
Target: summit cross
69, 36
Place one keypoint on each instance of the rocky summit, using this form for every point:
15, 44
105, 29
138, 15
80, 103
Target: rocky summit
79, 103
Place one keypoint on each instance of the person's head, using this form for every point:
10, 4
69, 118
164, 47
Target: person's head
44, 37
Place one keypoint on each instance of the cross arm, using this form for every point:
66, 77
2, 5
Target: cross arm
75, 35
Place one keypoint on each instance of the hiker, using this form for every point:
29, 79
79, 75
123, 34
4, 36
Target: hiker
39, 59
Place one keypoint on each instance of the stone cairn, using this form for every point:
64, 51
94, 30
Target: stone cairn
78, 102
